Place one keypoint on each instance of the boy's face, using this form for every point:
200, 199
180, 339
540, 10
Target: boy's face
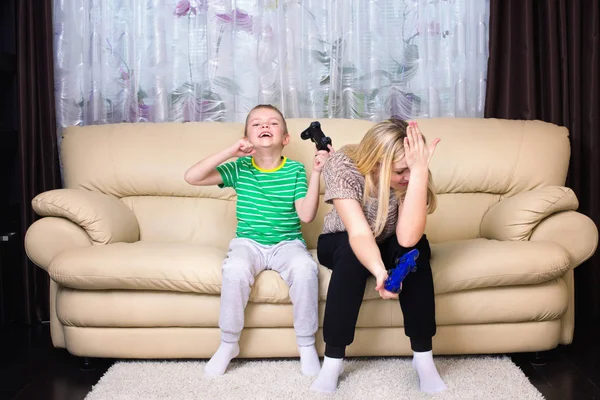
265, 129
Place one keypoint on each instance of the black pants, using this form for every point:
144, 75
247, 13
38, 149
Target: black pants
347, 288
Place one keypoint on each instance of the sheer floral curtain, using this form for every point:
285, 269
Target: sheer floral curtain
213, 60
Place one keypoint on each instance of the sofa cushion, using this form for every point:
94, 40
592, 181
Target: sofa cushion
138, 308
184, 267
162, 266
515, 218
175, 266
481, 263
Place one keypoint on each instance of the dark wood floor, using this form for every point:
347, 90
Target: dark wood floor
30, 368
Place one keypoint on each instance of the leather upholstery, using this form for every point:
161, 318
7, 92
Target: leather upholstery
134, 252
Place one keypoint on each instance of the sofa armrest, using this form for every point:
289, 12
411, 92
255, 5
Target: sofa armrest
50, 236
106, 219
574, 231
514, 218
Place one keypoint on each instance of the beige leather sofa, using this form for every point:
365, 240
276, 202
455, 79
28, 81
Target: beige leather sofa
134, 253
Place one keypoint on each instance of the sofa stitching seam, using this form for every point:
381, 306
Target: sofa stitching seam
561, 268
70, 215
112, 159
565, 192
514, 172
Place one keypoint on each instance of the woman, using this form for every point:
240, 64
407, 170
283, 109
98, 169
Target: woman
382, 191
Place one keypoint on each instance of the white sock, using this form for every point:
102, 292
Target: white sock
309, 360
221, 359
429, 378
327, 380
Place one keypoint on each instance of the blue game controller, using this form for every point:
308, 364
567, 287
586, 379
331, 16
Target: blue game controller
404, 265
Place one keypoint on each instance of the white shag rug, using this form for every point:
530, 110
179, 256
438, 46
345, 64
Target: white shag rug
478, 377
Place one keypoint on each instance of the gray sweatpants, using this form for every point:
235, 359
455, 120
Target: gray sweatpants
245, 260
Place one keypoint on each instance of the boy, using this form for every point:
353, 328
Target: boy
273, 198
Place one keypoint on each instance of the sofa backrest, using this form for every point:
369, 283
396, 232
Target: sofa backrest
477, 163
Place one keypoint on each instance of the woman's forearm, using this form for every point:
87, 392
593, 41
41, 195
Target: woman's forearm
360, 235
366, 250
413, 212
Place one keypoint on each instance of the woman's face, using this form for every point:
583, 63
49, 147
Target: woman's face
400, 175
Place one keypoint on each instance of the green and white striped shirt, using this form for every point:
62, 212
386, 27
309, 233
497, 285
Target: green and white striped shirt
266, 210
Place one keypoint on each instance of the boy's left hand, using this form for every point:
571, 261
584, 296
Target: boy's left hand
320, 157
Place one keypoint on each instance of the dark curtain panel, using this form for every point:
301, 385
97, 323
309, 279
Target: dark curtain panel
37, 135
545, 64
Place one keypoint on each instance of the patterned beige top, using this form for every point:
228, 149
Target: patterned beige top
344, 181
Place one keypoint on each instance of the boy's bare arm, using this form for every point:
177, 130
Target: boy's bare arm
307, 207
205, 171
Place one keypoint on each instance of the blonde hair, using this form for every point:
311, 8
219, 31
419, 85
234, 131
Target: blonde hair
380, 148
268, 107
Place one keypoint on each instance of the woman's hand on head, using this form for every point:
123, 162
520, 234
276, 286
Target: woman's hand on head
385, 294
417, 153
321, 157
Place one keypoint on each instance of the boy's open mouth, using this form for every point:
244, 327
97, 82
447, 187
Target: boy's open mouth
265, 134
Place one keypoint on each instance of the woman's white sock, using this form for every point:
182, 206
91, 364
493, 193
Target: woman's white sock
429, 378
327, 380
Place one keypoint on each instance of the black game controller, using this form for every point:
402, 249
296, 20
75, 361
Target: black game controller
314, 133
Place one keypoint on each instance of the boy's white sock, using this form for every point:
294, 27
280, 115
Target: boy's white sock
221, 359
327, 380
309, 359
429, 378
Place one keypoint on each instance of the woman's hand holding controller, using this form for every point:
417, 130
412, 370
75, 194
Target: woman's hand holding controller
380, 287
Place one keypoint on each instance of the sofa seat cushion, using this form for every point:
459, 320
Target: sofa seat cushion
186, 267
482, 263
156, 266
141, 309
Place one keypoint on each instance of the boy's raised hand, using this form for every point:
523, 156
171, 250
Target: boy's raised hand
242, 148
320, 157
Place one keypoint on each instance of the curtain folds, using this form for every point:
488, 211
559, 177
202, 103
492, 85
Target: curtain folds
38, 153
213, 60
544, 62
